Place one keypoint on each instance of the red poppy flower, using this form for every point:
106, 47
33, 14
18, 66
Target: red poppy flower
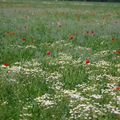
87, 61
113, 38
117, 88
49, 53
72, 37
6, 65
24, 39
118, 52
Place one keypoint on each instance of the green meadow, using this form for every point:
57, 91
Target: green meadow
59, 60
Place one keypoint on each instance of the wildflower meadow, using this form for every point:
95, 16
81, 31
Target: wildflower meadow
59, 60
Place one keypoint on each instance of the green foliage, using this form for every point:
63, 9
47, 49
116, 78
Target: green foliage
59, 60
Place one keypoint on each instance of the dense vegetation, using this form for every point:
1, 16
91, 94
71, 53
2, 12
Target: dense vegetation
59, 61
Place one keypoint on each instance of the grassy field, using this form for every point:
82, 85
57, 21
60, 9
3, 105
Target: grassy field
59, 61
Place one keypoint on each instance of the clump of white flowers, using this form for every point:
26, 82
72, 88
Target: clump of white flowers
30, 46
96, 96
52, 77
25, 112
102, 53
85, 111
45, 100
15, 69
32, 68
103, 64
